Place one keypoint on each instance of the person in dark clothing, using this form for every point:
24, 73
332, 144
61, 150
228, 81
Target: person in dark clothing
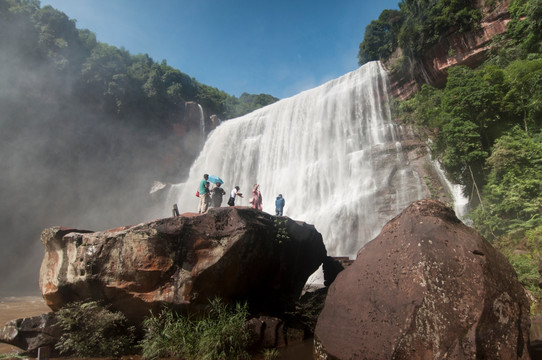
216, 195
279, 205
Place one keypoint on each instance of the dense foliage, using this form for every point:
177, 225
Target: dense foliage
220, 333
91, 330
418, 25
108, 78
238, 106
486, 129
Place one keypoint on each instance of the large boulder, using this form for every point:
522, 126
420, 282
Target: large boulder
427, 287
233, 253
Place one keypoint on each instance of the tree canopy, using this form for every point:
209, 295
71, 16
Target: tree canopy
418, 25
109, 78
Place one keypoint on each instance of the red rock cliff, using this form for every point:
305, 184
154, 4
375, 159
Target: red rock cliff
469, 48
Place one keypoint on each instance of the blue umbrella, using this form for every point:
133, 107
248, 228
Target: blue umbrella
214, 179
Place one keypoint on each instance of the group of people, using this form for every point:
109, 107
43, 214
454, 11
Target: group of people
207, 196
213, 196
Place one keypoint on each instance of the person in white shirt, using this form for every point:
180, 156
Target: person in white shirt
235, 192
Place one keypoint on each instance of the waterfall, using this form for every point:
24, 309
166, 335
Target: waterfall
461, 202
201, 120
333, 152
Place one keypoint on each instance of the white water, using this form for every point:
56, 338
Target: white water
332, 151
201, 119
461, 202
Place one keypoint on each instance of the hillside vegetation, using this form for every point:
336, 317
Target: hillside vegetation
485, 123
109, 78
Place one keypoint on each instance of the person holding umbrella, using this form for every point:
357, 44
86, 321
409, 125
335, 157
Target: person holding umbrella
204, 198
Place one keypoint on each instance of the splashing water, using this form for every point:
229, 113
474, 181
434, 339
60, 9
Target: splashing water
332, 151
461, 202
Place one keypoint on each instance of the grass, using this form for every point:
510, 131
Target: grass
220, 333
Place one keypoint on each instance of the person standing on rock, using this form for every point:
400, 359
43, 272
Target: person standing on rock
234, 193
279, 205
216, 195
256, 200
204, 198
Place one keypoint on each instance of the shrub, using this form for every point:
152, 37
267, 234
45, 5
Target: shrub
167, 335
219, 334
12, 356
526, 266
534, 239
89, 329
271, 354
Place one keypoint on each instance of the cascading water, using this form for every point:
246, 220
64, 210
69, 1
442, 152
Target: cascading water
461, 202
201, 120
332, 151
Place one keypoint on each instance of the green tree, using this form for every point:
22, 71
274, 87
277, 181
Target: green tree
211, 98
235, 107
513, 194
524, 96
98, 75
424, 109
468, 111
58, 37
427, 21
525, 28
380, 39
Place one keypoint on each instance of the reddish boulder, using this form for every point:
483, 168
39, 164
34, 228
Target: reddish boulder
185, 261
427, 287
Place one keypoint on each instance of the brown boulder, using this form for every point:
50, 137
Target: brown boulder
233, 253
427, 287
32, 333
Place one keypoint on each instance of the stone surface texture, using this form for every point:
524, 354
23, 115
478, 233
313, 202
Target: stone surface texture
427, 287
233, 253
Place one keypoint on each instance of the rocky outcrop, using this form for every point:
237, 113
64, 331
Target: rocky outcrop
427, 287
185, 261
32, 333
468, 48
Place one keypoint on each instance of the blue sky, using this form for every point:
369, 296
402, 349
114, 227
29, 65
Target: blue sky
273, 47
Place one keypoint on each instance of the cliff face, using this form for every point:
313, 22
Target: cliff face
469, 48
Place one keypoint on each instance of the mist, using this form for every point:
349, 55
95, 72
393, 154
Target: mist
65, 164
